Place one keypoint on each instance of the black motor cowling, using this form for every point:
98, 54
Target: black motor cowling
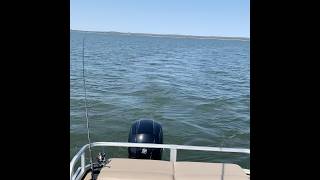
145, 131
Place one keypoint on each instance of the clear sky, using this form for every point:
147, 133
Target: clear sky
189, 17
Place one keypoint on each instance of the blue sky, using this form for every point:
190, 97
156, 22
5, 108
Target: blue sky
189, 17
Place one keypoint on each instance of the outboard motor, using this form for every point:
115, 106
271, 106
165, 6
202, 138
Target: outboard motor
145, 131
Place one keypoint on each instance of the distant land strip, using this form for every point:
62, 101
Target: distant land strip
166, 35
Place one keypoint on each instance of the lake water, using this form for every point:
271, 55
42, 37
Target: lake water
198, 89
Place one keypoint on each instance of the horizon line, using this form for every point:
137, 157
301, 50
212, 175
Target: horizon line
177, 35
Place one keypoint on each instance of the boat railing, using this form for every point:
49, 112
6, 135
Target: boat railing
75, 175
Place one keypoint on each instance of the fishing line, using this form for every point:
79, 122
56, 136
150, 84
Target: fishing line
85, 105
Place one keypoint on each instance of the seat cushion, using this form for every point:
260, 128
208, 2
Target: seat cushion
134, 169
204, 171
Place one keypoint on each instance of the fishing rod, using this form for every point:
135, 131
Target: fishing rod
85, 105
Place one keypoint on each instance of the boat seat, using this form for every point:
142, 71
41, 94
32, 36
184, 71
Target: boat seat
135, 169
206, 171
138, 169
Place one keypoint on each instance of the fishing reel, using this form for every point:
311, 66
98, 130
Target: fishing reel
101, 161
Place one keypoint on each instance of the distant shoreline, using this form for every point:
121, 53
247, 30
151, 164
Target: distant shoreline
166, 35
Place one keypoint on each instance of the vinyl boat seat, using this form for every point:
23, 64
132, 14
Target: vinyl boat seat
208, 171
136, 169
